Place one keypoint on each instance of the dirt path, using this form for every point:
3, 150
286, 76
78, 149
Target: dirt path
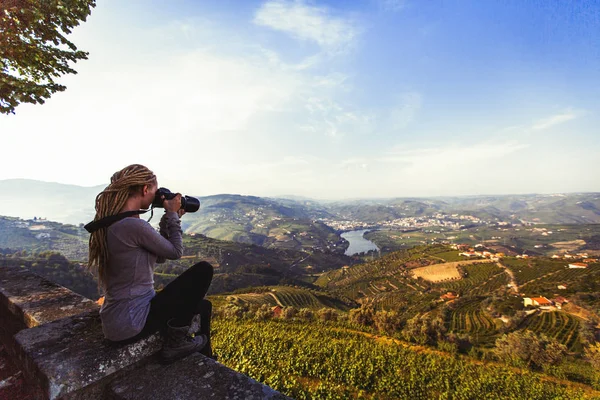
276, 299
511, 274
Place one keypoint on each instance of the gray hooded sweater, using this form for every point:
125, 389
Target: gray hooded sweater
134, 248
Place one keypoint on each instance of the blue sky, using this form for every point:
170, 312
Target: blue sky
340, 99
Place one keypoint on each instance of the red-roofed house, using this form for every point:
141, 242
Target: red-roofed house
449, 296
536, 301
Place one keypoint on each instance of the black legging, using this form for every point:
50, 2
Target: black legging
182, 299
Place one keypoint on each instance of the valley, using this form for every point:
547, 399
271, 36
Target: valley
435, 285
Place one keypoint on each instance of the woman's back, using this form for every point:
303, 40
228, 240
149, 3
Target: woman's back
133, 247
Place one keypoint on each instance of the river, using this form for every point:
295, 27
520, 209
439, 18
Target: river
358, 244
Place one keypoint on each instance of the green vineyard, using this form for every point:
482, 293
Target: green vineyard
558, 325
476, 278
576, 280
289, 297
529, 270
327, 362
471, 319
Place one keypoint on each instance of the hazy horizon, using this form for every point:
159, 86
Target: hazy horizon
327, 100
342, 199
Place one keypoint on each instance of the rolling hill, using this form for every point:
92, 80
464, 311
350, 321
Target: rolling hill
263, 221
238, 265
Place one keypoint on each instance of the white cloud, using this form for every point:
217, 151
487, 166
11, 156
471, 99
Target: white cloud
554, 120
178, 95
211, 107
307, 22
327, 115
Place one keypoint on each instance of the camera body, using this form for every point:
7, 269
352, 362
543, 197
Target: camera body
188, 203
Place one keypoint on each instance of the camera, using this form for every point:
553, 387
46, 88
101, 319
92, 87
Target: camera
188, 203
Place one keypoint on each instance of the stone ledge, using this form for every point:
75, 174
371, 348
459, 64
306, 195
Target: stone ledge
70, 356
195, 377
64, 355
34, 300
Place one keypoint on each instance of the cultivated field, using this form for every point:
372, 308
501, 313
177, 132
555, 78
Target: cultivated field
438, 272
571, 245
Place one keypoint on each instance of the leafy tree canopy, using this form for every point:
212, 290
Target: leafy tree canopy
34, 50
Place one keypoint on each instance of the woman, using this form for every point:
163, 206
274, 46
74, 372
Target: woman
124, 250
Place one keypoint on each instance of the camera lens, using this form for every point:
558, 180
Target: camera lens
190, 204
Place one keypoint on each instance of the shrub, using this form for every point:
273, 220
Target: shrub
288, 312
263, 313
387, 321
362, 316
327, 314
424, 330
232, 311
525, 348
306, 314
592, 355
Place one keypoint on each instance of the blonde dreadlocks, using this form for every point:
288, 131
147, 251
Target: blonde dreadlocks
124, 183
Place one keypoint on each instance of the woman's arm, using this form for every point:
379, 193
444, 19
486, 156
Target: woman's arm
162, 229
168, 247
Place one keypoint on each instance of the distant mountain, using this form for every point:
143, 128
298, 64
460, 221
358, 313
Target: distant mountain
42, 235
374, 212
26, 198
294, 222
237, 265
268, 222
570, 208
263, 221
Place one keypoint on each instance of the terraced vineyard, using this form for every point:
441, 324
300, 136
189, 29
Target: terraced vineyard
528, 270
477, 278
401, 281
289, 297
576, 281
542, 277
386, 274
471, 319
447, 255
558, 325
496, 282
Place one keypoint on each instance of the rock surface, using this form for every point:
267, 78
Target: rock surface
64, 355
195, 378
36, 300
70, 354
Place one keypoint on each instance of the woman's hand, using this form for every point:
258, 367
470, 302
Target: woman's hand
174, 204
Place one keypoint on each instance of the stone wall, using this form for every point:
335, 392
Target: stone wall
55, 337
